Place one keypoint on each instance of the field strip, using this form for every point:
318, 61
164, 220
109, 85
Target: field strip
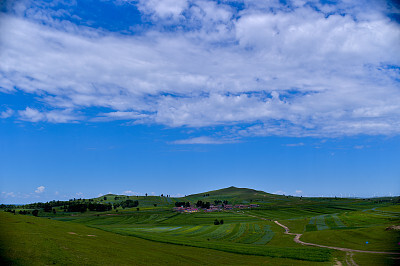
337, 220
320, 222
268, 235
239, 233
297, 240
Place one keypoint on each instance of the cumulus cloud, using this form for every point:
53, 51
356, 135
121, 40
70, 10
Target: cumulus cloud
7, 113
53, 116
301, 69
163, 8
40, 189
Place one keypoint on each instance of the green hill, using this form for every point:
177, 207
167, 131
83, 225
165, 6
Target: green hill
235, 195
120, 233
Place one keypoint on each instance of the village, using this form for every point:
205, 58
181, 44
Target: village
213, 208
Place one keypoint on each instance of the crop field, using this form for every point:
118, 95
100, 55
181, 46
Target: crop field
365, 230
27, 240
239, 233
348, 223
324, 222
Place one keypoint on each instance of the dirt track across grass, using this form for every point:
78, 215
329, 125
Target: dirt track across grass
297, 240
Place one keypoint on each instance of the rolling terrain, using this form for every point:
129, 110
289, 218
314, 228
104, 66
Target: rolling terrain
253, 233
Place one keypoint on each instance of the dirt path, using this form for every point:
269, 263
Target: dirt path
349, 259
297, 240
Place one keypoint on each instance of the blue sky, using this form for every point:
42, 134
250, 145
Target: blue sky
184, 96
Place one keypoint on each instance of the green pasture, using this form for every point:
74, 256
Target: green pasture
363, 230
239, 233
27, 240
349, 223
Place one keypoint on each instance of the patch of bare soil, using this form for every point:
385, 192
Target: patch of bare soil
393, 227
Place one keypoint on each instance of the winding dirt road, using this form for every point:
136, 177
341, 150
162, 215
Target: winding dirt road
297, 240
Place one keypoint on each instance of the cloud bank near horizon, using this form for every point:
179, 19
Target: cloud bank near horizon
256, 68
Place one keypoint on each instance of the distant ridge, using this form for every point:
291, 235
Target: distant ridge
234, 195
232, 190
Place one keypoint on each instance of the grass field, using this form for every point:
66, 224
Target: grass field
239, 233
364, 230
250, 234
27, 240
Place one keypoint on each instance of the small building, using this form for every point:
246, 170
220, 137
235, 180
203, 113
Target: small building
190, 210
179, 209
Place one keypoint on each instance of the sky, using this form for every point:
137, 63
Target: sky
185, 96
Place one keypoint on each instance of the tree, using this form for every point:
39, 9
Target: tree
180, 204
199, 203
129, 203
105, 198
155, 204
216, 202
35, 212
47, 207
221, 222
216, 222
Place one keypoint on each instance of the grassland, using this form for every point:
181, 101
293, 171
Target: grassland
27, 240
349, 223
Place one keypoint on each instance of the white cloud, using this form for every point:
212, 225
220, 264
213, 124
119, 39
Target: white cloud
292, 71
294, 144
131, 193
40, 189
31, 115
163, 8
54, 116
7, 113
8, 194
121, 116
279, 192
202, 140
299, 192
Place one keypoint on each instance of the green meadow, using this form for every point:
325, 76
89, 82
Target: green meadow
152, 233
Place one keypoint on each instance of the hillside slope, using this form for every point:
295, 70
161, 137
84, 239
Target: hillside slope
27, 240
235, 195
